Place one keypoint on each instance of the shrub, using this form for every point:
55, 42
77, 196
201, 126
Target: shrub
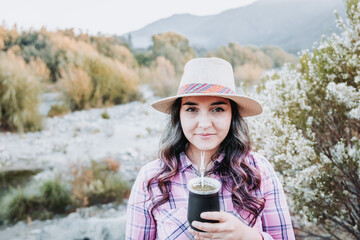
99, 81
105, 115
16, 177
110, 189
40, 69
279, 56
144, 58
66, 50
239, 55
124, 85
248, 74
19, 95
77, 87
125, 56
311, 127
173, 47
18, 205
113, 82
55, 196
112, 46
98, 183
8, 37
161, 77
250, 63
58, 110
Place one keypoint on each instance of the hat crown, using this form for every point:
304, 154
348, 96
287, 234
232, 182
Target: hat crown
214, 71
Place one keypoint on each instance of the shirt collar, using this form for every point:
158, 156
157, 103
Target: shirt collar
185, 161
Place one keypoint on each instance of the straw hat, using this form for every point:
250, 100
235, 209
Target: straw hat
209, 77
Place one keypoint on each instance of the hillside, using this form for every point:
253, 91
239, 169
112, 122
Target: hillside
291, 25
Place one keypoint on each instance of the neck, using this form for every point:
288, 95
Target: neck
195, 157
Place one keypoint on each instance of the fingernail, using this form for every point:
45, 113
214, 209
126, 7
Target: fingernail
194, 223
203, 215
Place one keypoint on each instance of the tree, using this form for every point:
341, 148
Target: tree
173, 47
311, 130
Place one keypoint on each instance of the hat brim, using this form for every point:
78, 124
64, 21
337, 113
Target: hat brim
247, 106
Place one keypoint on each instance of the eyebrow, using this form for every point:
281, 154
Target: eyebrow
214, 103
219, 103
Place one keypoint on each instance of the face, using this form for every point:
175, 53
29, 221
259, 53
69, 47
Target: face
205, 121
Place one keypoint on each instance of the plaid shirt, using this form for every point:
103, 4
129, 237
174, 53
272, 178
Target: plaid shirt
171, 217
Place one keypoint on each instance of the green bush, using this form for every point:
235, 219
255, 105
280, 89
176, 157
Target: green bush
19, 95
19, 204
144, 58
55, 196
105, 115
111, 188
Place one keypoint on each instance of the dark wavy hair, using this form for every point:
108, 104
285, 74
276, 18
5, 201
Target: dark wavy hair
236, 174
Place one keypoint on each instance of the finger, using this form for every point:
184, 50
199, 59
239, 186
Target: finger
206, 235
207, 227
220, 216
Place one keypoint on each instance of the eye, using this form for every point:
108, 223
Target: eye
191, 109
218, 109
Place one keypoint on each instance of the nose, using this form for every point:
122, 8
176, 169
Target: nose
204, 121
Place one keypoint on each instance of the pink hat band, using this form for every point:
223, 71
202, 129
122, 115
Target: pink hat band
204, 88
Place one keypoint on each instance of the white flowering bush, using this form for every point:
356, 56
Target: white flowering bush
310, 130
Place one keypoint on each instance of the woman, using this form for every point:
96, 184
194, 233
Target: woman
206, 115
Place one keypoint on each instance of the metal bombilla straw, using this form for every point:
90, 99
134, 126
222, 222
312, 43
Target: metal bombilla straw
202, 168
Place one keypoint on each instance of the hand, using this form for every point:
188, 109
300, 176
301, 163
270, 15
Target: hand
229, 227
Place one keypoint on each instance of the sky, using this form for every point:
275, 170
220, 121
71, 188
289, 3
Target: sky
105, 16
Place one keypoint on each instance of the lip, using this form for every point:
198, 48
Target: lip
205, 135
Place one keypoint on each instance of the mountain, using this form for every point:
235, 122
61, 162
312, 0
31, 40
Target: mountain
290, 24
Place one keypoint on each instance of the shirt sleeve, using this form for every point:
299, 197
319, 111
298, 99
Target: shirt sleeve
276, 221
139, 222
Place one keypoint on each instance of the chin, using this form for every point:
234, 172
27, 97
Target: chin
205, 147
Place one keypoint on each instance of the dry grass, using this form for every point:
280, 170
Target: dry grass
77, 87
40, 69
19, 95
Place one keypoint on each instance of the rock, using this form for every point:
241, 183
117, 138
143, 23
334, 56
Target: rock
92, 229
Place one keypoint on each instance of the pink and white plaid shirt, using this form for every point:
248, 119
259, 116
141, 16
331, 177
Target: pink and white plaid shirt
171, 217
